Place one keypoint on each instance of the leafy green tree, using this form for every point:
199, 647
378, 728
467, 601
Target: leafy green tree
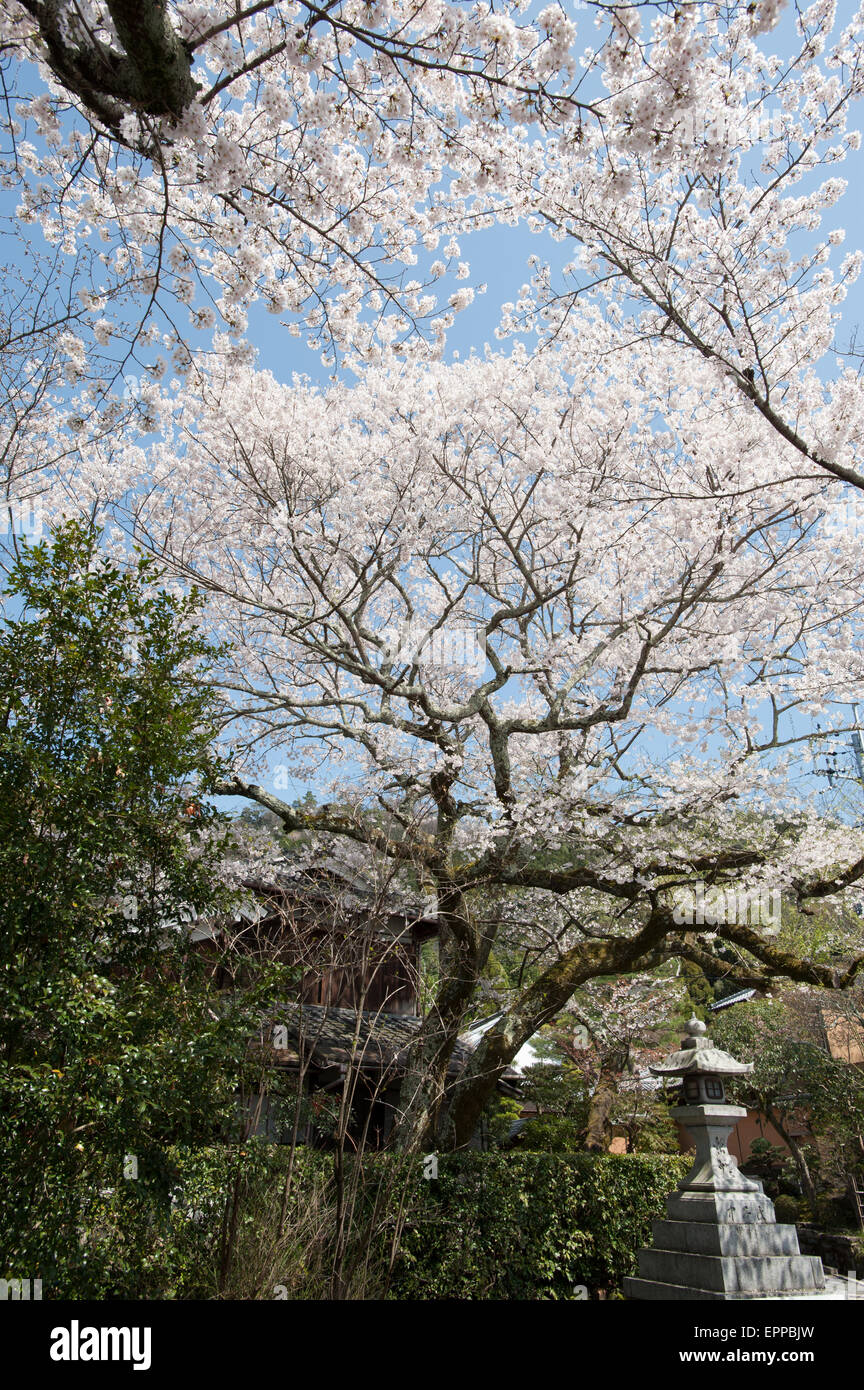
795, 1075
557, 1088
497, 1121
112, 1045
647, 1124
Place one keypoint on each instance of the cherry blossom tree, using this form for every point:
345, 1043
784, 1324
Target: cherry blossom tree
206, 158
199, 160
563, 621
606, 1030
706, 232
177, 166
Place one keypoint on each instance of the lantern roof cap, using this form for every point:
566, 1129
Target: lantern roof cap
699, 1056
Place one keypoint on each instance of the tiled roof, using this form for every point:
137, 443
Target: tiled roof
739, 997
355, 883
373, 1040
328, 888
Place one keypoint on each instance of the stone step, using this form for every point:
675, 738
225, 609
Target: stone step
738, 1238
636, 1288
753, 1274
735, 1207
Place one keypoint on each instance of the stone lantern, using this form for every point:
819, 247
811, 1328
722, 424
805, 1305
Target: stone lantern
720, 1238
705, 1112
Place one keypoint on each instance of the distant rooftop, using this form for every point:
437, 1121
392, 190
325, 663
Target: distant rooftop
740, 997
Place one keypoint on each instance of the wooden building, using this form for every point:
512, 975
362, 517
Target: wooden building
358, 1004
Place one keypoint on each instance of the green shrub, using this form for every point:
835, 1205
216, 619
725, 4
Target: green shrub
655, 1131
786, 1210
530, 1225
551, 1134
831, 1212
210, 1224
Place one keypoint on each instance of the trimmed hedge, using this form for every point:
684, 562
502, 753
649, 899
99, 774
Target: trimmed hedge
513, 1225
531, 1225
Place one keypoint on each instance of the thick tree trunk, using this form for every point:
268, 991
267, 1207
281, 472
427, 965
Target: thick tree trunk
464, 951
543, 999
162, 83
598, 1129
154, 76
